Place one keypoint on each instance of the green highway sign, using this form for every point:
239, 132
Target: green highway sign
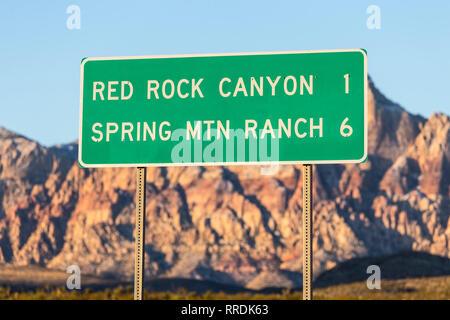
223, 109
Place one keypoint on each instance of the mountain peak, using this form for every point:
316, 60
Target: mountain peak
7, 134
381, 99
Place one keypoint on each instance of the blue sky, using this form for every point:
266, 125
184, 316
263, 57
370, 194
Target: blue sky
40, 57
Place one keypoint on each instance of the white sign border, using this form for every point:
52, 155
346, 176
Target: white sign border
200, 164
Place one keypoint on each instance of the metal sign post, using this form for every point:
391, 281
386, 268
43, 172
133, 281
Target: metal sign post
139, 253
307, 232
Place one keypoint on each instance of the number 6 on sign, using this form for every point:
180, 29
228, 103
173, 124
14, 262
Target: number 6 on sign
346, 130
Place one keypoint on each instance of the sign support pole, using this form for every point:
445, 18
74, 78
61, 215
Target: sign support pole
307, 232
139, 253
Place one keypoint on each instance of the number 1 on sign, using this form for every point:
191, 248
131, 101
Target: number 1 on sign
346, 76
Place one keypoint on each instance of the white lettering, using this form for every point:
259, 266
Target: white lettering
294, 85
309, 86
240, 87
172, 90
98, 90
182, 96
273, 83
196, 87
127, 128
111, 90
152, 86
100, 137
221, 87
254, 85
312, 127
111, 127
252, 128
296, 128
190, 132
122, 94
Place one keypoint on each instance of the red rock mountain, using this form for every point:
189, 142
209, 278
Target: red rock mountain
230, 224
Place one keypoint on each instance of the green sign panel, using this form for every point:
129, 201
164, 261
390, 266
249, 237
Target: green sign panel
221, 109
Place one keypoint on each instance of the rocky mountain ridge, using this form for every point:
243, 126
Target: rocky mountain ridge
230, 224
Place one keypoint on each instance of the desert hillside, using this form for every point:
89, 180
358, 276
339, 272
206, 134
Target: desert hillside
230, 224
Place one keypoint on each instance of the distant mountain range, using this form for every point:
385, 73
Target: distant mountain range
404, 267
230, 225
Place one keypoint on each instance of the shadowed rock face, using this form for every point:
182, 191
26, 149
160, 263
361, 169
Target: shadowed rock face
230, 224
397, 266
